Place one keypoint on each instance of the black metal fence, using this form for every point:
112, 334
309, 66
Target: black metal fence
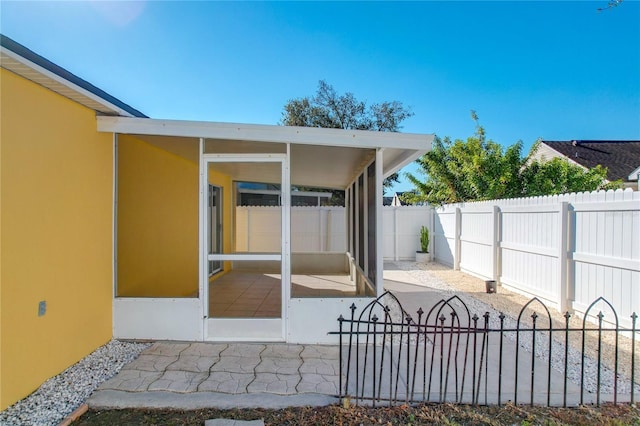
449, 355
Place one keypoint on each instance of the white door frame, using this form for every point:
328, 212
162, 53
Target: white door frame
274, 329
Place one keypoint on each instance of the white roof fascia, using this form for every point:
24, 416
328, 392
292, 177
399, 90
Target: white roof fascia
635, 175
398, 163
64, 82
265, 133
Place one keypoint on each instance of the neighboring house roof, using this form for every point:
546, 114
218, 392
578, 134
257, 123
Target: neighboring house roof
620, 158
28, 64
394, 200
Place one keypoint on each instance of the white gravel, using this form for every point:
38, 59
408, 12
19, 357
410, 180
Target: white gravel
574, 364
56, 398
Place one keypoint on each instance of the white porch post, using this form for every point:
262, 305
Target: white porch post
286, 241
114, 224
365, 225
379, 229
203, 292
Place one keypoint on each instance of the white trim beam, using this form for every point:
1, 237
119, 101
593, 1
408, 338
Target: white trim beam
265, 133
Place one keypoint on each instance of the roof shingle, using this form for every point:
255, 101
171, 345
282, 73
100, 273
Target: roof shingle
619, 157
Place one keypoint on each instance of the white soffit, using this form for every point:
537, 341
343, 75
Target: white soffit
328, 158
31, 71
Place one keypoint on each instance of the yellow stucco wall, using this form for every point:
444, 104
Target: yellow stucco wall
56, 235
157, 222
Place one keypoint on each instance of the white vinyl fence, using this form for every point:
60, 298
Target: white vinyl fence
313, 229
567, 250
323, 229
401, 230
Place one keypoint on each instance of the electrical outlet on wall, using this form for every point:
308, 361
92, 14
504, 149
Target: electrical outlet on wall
42, 308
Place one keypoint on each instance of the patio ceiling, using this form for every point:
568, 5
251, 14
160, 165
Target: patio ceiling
328, 158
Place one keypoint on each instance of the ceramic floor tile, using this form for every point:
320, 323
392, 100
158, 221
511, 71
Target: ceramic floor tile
266, 314
238, 313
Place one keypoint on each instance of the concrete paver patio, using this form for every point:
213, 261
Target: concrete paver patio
217, 371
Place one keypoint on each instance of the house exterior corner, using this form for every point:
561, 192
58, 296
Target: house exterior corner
56, 235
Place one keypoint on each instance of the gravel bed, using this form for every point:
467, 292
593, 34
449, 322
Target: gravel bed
59, 396
574, 364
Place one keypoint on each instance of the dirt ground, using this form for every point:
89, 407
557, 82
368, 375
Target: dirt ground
445, 414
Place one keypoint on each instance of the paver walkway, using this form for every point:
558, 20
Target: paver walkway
208, 374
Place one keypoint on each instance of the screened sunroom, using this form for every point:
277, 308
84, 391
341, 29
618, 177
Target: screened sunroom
194, 263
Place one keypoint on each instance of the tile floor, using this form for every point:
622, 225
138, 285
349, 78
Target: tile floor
256, 295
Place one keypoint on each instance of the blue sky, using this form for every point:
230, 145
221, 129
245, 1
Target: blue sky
555, 70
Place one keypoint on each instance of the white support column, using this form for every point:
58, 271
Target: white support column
379, 229
571, 265
248, 229
365, 217
356, 221
202, 242
564, 298
114, 221
328, 229
348, 199
395, 234
322, 229
495, 244
456, 255
286, 240
432, 227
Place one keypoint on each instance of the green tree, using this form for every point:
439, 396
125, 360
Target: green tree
480, 169
330, 110
558, 176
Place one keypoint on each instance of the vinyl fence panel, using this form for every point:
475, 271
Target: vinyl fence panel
444, 235
477, 236
606, 258
313, 229
567, 250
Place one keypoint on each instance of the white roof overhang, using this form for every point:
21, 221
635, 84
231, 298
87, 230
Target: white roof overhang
22, 66
330, 158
